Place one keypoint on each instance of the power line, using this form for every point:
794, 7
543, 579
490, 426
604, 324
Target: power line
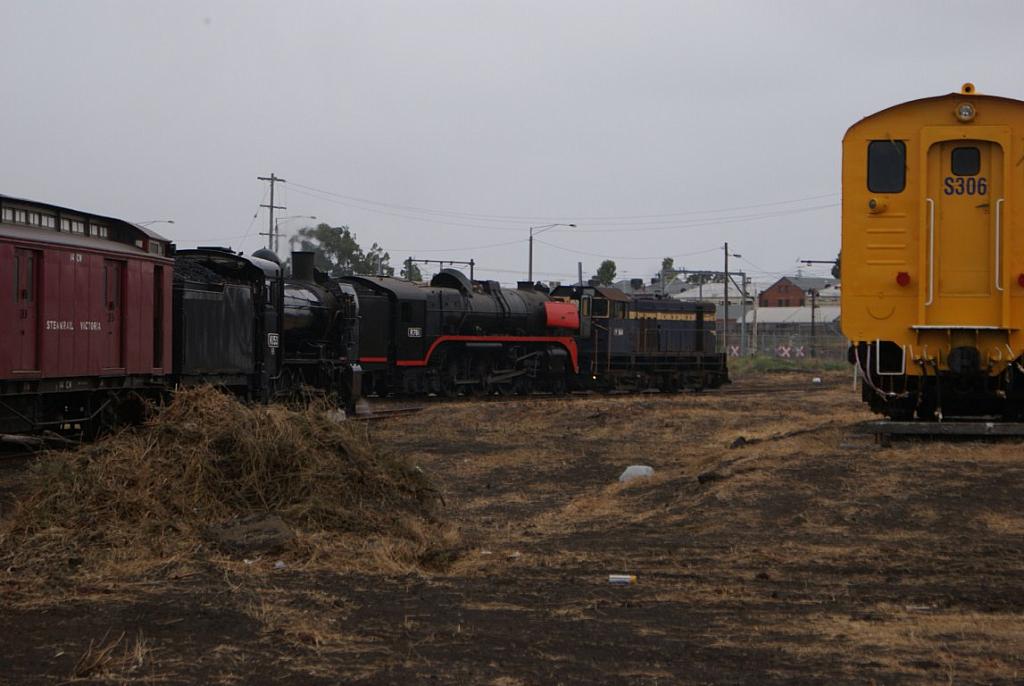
464, 247
715, 222
677, 225
259, 204
620, 257
527, 218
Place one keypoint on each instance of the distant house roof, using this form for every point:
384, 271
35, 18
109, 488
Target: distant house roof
793, 315
711, 292
671, 286
806, 283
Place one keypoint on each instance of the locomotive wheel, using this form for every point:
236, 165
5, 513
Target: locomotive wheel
506, 388
449, 374
482, 387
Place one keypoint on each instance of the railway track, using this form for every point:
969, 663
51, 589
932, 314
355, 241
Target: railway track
729, 391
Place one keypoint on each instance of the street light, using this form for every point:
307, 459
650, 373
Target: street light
277, 228
155, 221
541, 229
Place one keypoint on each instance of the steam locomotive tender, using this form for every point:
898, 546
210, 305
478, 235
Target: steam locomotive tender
239, 324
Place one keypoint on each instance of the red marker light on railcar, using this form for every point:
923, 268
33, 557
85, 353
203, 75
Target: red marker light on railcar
1020, 280
903, 279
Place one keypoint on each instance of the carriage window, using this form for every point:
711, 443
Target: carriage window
887, 166
585, 306
600, 308
965, 161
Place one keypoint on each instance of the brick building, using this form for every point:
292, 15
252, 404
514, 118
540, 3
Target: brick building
793, 291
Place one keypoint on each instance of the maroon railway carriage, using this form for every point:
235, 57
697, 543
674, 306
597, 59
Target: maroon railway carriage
86, 306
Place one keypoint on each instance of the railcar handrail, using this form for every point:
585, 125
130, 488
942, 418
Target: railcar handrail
931, 251
998, 268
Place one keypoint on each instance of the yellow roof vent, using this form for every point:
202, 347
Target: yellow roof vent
967, 88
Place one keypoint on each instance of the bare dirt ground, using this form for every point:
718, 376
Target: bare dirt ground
811, 558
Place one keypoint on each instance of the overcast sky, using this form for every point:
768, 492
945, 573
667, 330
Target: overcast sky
446, 129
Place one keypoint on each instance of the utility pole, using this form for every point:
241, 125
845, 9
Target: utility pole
743, 311
529, 272
814, 305
273, 238
579, 271
725, 313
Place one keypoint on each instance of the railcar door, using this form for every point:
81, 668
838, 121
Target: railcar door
964, 205
26, 357
113, 275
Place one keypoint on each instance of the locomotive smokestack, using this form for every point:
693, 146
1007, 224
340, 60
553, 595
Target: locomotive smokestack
302, 265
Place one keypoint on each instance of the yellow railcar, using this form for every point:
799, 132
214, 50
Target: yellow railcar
932, 258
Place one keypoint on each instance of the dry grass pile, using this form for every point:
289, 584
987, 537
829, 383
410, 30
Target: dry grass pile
206, 459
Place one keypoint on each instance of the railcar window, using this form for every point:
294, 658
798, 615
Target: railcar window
965, 161
8, 214
600, 308
887, 166
19, 216
585, 306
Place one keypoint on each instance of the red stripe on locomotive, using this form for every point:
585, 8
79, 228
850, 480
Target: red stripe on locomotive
565, 341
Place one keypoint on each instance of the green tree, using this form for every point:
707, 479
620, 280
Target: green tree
338, 252
668, 265
411, 271
835, 267
606, 273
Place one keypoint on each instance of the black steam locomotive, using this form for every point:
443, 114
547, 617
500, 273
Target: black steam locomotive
459, 336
